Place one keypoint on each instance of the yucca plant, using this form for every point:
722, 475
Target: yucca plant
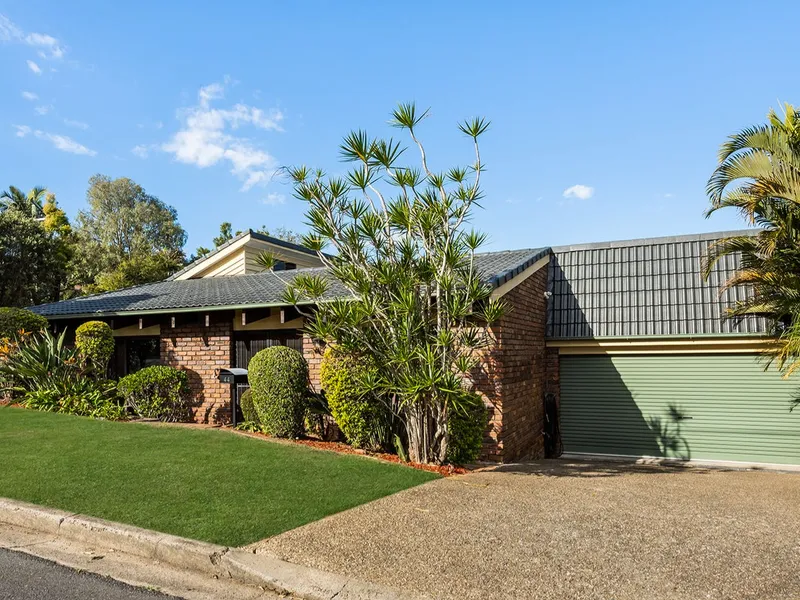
41, 361
417, 307
759, 176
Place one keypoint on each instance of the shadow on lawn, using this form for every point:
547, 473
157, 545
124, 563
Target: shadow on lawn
570, 468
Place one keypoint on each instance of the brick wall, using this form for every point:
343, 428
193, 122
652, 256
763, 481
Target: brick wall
201, 351
514, 374
313, 355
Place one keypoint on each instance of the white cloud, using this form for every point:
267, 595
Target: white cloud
64, 143
43, 110
205, 138
582, 192
30, 96
667, 195
48, 46
76, 124
60, 142
141, 151
34, 67
273, 199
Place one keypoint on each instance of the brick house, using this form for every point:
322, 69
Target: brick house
620, 345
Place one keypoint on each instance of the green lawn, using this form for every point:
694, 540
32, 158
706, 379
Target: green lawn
208, 485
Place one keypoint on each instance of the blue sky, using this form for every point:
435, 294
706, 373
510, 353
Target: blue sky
201, 102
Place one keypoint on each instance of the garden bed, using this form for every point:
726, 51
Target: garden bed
342, 448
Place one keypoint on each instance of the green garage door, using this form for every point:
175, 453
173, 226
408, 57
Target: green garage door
690, 406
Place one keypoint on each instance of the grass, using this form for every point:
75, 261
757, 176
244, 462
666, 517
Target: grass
204, 484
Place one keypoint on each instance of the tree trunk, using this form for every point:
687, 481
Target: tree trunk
426, 427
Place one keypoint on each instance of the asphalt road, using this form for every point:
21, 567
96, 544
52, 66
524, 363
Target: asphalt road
24, 577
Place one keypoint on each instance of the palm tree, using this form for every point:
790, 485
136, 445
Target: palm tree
29, 204
759, 175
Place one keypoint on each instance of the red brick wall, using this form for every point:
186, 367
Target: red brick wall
514, 376
202, 351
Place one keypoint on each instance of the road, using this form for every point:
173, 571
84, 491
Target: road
24, 577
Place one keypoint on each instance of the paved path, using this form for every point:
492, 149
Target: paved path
24, 577
559, 530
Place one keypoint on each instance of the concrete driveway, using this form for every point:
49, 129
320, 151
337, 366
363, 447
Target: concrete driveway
557, 529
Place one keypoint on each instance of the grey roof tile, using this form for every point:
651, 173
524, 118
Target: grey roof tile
261, 289
645, 287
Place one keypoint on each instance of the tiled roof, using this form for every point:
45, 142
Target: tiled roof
647, 287
261, 289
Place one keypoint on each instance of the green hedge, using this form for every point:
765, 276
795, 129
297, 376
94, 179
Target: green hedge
157, 392
94, 341
248, 409
466, 428
278, 378
362, 418
14, 320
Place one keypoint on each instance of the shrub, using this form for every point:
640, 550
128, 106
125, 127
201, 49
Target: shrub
48, 374
157, 392
362, 418
248, 410
14, 320
466, 426
279, 383
94, 341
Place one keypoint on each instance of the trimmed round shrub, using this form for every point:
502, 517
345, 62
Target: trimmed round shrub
157, 392
248, 409
94, 341
15, 320
361, 417
278, 378
466, 427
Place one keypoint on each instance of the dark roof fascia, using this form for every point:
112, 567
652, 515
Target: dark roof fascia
661, 338
694, 237
172, 311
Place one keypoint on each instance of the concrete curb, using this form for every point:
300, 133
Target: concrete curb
262, 570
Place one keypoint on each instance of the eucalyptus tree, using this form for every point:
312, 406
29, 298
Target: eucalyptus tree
415, 304
758, 175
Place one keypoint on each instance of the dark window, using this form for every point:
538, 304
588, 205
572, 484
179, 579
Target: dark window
250, 342
134, 353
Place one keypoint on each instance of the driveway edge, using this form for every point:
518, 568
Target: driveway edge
262, 570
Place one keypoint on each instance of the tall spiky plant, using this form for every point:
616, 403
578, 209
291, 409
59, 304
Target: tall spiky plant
759, 175
417, 306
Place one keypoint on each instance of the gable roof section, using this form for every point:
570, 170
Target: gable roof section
242, 291
645, 287
220, 251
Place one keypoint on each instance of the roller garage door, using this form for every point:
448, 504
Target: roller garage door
689, 406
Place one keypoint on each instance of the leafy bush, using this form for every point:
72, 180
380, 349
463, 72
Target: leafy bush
248, 410
85, 398
362, 418
157, 392
279, 383
49, 376
14, 320
94, 341
466, 426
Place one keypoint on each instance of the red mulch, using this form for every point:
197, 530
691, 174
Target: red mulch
443, 470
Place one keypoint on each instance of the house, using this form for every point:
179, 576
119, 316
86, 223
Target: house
621, 345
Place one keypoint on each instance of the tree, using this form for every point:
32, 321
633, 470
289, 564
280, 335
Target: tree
282, 233
126, 237
32, 265
759, 175
418, 308
28, 204
225, 234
